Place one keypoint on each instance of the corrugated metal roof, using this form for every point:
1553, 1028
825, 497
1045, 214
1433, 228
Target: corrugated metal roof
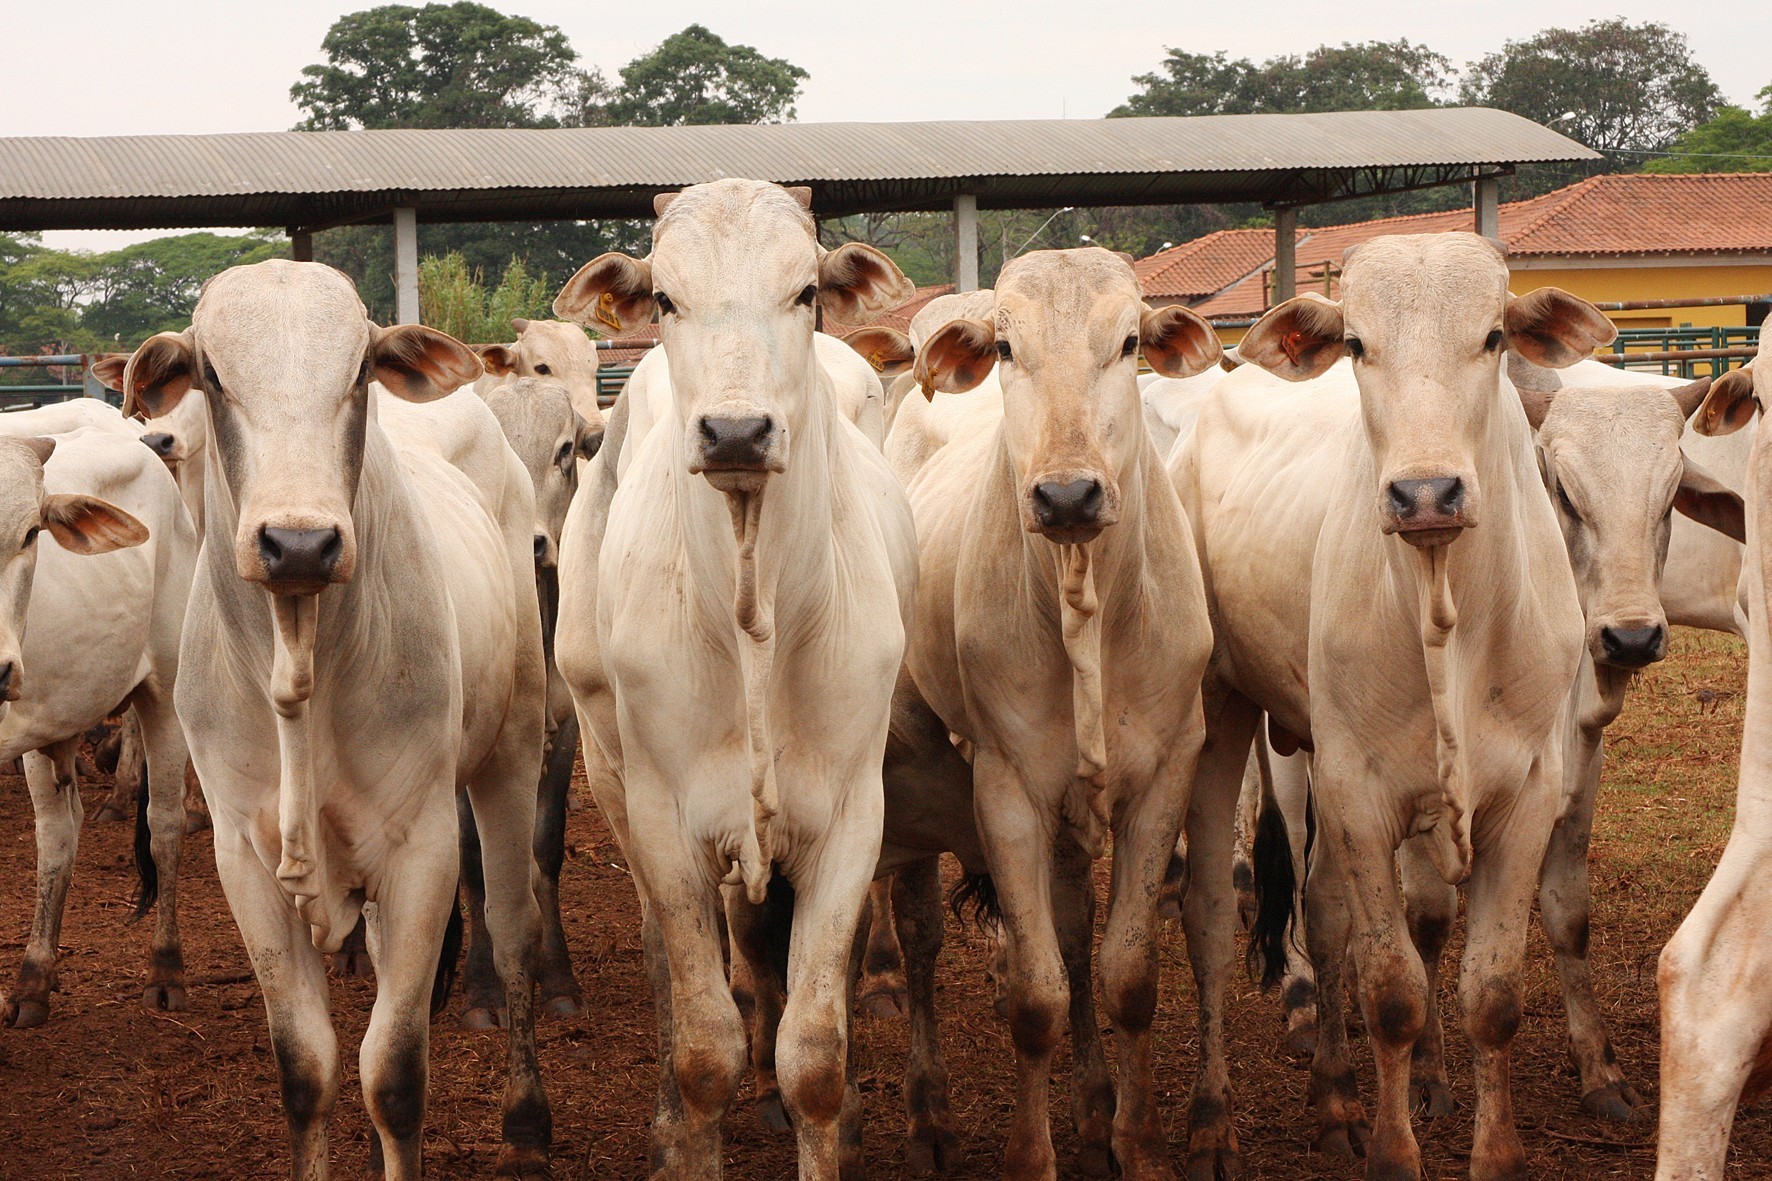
307, 178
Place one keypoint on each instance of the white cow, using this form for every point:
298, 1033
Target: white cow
1715, 974
361, 643
1062, 634
732, 623
1388, 583
554, 351
78, 635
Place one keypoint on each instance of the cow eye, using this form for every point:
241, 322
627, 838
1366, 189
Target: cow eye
1568, 507
1356, 348
1494, 341
1129, 346
563, 457
543, 370
31, 535
807, 294
1004, 352
210, 380
665, 306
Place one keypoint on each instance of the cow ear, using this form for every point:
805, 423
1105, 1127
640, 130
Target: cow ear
88, 525
857, 281
1177, 342
802, 194
158, 374
499, 359
1709, 501
519, 325
612, 292
888, 350
1691, 397
108, 370
42, 446
589, 438
1298, 340
1729, 406
1552, 328
956, 357
421, 364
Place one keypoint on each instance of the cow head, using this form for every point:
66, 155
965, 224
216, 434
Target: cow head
1065, 330
1611, 460
553, 351
550, 437
177, 436
1426, 320
285, 352
80, 524
734, 274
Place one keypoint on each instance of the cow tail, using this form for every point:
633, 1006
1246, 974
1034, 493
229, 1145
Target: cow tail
974, 897
146, 872
1276, 881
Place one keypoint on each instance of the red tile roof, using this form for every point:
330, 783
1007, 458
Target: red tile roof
1205, 265
1625, 214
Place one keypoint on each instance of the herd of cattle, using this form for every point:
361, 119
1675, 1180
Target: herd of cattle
828, 609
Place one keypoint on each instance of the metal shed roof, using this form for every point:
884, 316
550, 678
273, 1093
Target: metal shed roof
314, 179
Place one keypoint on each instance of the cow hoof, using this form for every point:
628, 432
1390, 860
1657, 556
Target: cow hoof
521, 1161
1615, 1101
167, 996
1095, 1160
195, 822
928, 1151
1300, 1042
481, 1018
1343, 1140
1430, 1098
886, 1004
110, 814
25, 1012
1222, 1164
562, 1006
772, 1115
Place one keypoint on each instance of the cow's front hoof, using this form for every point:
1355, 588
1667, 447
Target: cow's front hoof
195, 822
772, 1114
1430, 1098
1299, 1043
521, 1160
931, 1150
562, 1006
110, 814
482, 1018
165, 995
1616, 1101
1343, 1138
27, 1012
1095, 1161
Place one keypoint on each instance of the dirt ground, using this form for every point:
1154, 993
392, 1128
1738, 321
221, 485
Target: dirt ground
108, 1090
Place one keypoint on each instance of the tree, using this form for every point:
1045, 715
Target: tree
443, 65
694, 77
153, 286
1623, 89
1362, 76
1736, 140
454, 298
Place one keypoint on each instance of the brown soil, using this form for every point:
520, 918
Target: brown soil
108, 1090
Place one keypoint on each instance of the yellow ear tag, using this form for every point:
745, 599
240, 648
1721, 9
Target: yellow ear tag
606, 311
877, 359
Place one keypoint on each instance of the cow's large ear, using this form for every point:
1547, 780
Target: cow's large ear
1298, 340
888, 350
1691, 397
857, 281
612, 293
1729, 406
1709, 501
1552, 328
1177, 342
499, 359
88, 525
108, 370
956, 357
421, 364
158, 374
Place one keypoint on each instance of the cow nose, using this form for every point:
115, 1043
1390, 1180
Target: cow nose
1444, 496
299, 555
1068, 506
589, 444
159, 443
1633, 647
736, 442
541, 547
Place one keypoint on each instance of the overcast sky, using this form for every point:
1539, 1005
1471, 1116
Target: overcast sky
109, 67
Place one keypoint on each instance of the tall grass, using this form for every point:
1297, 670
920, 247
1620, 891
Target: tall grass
454, 299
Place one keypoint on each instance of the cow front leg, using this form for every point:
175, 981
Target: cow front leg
1209, 915
1342, 1126
1432, 906
1092, 1086
560, 994
932, 1145
55, 800
503, 797
165, 824
292, 976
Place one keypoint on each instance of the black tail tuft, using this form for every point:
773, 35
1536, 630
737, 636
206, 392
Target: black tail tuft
145, 870
448, 959
1275, 882
776, 923
975, 893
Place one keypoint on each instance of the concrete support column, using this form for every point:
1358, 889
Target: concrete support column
406, 265
965, 242
1285, 255
301, 246
1488, 207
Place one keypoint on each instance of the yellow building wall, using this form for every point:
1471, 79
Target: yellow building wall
1609, 284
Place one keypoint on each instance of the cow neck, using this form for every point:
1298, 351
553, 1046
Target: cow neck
773, 549
1753, 804
1472, 569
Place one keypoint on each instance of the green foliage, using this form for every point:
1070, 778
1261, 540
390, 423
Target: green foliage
1363, 76
1735, 141
455, 299
443, 65
694, 77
